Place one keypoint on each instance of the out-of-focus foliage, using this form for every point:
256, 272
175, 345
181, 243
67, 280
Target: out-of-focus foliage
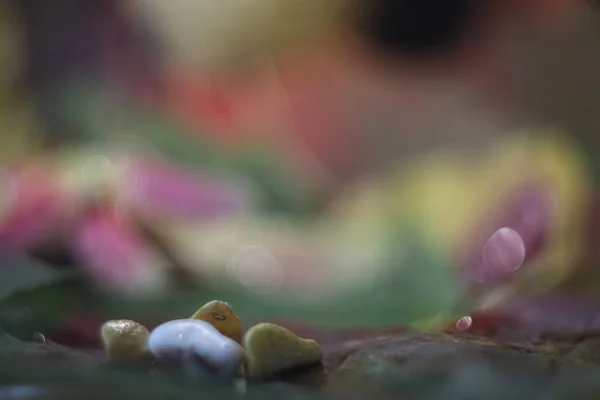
391, 249
233, 33
262, 157
106, 117
454, 196
397, 247
17, 121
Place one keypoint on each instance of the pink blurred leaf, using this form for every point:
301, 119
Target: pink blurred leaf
34, 205
160, 189
115, 255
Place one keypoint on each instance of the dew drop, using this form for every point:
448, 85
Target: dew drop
464, 323
39, 338
504, 251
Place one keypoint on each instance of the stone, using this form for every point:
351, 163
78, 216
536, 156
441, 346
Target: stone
220, 315
196, 348
124, 339
432, 365
272, 349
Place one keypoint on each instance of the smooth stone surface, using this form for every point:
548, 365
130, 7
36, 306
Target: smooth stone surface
220, 315
272, 349
124, 339
197, 348
440, 366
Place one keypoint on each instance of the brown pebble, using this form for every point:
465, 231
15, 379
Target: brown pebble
220, 315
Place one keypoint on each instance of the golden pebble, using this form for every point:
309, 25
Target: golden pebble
220, 315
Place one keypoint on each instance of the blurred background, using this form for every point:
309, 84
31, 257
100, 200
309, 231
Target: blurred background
341, 164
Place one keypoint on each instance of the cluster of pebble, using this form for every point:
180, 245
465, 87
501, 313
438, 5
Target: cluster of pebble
210, 344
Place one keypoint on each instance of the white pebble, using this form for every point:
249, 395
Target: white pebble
197, 348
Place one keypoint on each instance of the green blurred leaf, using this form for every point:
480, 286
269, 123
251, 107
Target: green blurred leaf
21, 273
418, 285
24, 288
282, 190
100, 116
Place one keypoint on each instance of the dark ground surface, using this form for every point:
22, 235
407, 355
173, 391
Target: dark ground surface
390, 365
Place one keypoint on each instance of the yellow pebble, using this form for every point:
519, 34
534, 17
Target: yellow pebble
220, 315
271, 349
124, 339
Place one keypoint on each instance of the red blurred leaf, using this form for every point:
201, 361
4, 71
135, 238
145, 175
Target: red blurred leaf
80, 331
